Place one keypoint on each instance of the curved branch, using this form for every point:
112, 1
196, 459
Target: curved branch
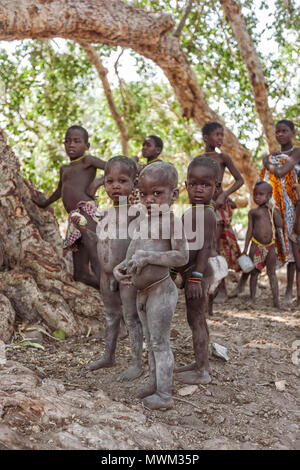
102, 72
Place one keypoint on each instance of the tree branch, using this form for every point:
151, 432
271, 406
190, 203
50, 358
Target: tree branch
186, 13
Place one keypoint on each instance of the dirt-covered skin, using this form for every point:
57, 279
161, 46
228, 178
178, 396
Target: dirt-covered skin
240, 409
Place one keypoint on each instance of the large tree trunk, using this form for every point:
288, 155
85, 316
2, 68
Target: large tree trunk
34, 281
236, 20
113, 22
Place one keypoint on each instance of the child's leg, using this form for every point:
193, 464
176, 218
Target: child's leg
90, 247
128, 299
271, 270
150, 387
253, 284
222, 291
160, 307
291, 268
198, 372
82, 271
241, 285
113, 315
296, 252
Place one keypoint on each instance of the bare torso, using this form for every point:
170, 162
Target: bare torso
75, 179
262, 225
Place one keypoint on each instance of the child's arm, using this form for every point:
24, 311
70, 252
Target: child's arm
177, 256
92, 189
43, 202
96, 162
278, 221
239, 181
194, 286
279, 172
249, 232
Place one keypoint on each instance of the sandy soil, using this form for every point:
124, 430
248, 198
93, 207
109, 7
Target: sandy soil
246, 406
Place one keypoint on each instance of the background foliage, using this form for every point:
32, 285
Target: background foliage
48, 85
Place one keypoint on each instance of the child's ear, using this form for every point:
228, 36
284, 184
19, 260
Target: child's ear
175, 194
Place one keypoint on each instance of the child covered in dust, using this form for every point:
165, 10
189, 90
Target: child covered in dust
73, 188
160, 244
197, 274
262, 225
112, 243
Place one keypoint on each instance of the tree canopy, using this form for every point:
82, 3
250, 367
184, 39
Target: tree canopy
49, 84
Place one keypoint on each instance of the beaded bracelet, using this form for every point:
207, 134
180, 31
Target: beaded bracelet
196, 277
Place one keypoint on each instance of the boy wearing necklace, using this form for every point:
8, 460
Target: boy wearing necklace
226, 242
197, 274
73, 188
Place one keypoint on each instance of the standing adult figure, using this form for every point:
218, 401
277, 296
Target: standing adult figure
280, 171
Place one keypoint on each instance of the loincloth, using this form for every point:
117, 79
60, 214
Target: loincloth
73, 233
260, 254
229, 247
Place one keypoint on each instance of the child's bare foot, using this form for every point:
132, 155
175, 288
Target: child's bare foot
194, 377
288, 298
221, 297
101, 363
156, 402
132, 373
145, 391
191, 366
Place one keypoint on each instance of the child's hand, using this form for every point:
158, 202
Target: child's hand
193, 290
121, 275
296, 187
40, 200
138, 262
79, 221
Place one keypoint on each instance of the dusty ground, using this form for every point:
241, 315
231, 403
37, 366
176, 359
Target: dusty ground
241, 408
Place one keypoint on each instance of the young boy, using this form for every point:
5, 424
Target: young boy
119, 179
147, 264
152, 148
213, 135
202, 176
73, 188
262, 225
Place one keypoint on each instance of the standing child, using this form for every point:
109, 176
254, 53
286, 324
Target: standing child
213, 136
295, 238
147, 266
202, 176
119, 300
280, 172
262, 225
73, 188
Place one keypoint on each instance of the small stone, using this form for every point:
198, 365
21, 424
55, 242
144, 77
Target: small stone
189, 390
280, 385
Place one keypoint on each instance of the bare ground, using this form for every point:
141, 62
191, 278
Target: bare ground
242, 408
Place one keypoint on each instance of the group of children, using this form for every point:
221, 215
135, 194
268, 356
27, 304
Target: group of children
135, 266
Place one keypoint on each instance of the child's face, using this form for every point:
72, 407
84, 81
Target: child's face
155, 192
200, 185
118, 182
149, 149
75, 144
261, 195
283, 133
215, 138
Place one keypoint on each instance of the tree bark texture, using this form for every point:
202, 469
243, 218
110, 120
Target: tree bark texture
35, 283
94, 58
247, 49
116, 23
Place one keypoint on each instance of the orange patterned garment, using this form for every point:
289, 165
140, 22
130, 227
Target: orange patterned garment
285, 199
